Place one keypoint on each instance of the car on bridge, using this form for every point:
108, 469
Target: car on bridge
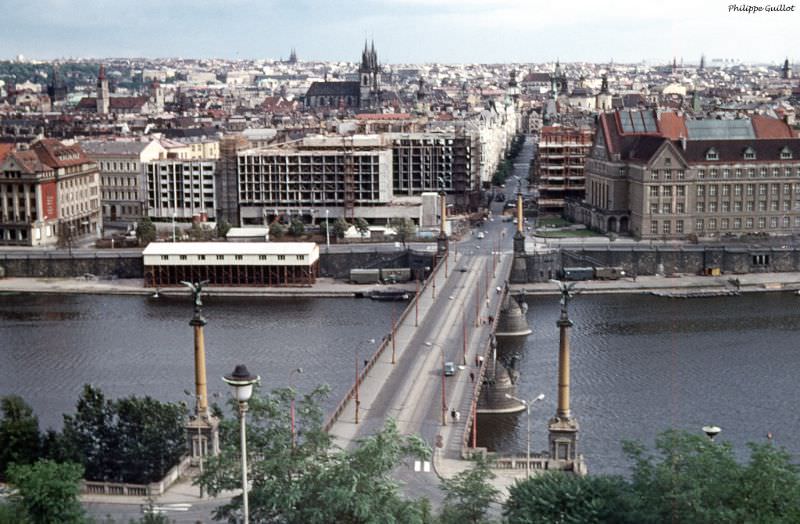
449, 369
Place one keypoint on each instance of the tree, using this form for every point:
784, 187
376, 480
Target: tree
311, 482
404, 229
222, 228
198, 233
145, 231
19, 433
340, 227
297, 228
468, 494
276, 230
134, 440
362, 226
568, 498
48, 491
692, 479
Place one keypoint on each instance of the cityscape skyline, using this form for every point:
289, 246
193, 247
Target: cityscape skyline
406, 31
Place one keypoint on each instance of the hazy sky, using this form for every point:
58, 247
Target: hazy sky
405, 31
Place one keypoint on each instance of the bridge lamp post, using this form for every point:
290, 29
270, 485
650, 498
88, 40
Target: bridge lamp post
711, 432
291, 408
327, 229
242, 383
528, 404
444, 383
357, 399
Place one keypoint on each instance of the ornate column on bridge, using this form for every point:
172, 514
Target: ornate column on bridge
563, 427
202, 429
441, 242
519, 268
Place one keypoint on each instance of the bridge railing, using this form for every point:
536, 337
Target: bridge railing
476, 389
387, 341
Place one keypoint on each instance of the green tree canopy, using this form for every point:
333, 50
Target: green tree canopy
297, 228
19, 433
569, 499
145, 231
222, 228
311, 482
276, 230
134, 440
48, 492
404, 229
362, 226
340, 227
469, 494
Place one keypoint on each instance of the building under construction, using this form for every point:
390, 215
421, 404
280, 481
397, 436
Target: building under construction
231, 263
370, 176
558, 169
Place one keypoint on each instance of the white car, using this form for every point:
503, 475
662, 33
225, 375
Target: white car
481, 235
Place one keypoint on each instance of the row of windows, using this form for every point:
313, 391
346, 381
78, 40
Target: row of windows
712, 224
235, 257
749, 154
726, 172
119, 166
749, 189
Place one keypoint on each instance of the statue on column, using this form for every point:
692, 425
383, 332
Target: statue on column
566, 293
197, 290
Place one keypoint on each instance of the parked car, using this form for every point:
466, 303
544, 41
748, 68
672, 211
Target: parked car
481, 235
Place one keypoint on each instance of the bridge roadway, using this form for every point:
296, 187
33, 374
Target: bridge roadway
410, 391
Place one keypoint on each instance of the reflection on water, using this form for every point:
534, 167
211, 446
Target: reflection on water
50, 345
643, 364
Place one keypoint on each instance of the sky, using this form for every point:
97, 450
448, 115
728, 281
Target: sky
405, 31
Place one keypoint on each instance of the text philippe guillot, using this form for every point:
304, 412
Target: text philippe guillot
745, 8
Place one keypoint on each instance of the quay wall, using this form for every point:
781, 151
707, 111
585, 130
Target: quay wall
667, 260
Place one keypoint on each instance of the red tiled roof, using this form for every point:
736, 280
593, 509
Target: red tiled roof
5, 149
767, 127
54, 154
672, 125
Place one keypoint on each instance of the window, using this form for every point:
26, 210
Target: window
751, 172
301, 257
787, 205
699, 224
668, 161
666, 191
238, 257
183, 257
712, 224
726, 190
762, 222
776, 171
679, 226
773, 222
726, 173
785, 222
667, 227
666, 209
680, 208
220, 257
164, 257
751, 189
681, 174
654, 208
262, 257
712, 207
654, 174
667, 174
680, 191
763, 172
737, 190
737, 206
712, 191
738, 172
737, 223
653, 191
701, 191
748, 223
654, 227
724, 223
726, 206
750, 206
201, 257
712, 154
701, 207
281, 257
762, 189
701, 174
773, 206
786, 154
749, 153
762, 205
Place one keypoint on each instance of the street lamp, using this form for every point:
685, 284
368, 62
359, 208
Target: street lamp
444, 384
528, 404
242, 383
294, 434
327, 230
711, 432
174, 216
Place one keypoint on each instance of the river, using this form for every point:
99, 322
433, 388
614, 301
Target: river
640, 364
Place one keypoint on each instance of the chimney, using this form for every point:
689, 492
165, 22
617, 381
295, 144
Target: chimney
683, 142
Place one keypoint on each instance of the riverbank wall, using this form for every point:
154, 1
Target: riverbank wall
546, 264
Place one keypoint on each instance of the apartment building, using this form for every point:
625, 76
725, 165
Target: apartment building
659, 176
122, 177
49, 195
558, 168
